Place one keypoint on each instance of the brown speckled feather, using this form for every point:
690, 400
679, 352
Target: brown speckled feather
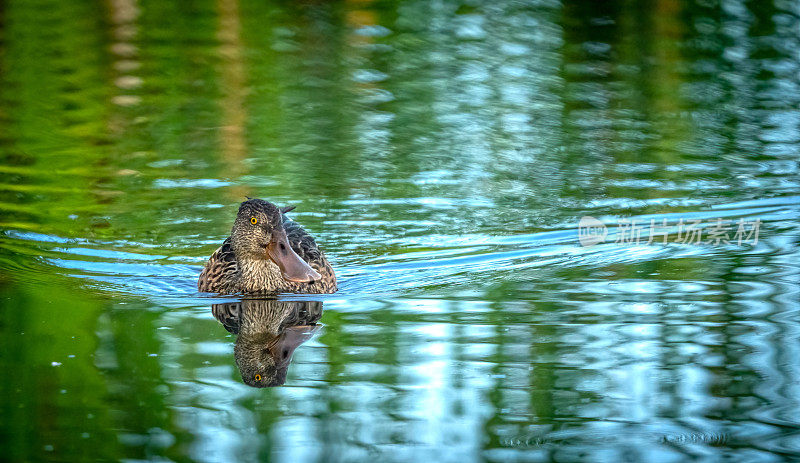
220, 270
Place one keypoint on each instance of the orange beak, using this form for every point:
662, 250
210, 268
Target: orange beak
293, 268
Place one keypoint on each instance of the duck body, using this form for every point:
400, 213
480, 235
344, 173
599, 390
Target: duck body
267, 253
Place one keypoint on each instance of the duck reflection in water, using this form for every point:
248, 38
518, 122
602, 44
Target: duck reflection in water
268, 333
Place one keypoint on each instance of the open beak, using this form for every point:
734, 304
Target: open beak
293, 268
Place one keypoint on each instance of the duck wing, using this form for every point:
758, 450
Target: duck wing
220, 270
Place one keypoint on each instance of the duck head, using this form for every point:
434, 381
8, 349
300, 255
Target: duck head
258, 233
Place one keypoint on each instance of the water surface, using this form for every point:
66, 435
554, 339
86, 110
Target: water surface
443, 154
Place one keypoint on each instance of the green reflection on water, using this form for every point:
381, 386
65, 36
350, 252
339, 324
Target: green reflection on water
441, 153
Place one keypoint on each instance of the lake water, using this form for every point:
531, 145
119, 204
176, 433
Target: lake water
443, 154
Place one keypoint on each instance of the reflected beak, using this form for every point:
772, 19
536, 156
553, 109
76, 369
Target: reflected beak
284, 346
293, 268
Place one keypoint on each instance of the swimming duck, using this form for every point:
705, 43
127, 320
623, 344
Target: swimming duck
267, 253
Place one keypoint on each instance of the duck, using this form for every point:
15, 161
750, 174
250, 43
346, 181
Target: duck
267, 253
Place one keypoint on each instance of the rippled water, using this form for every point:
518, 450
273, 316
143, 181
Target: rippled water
443, 154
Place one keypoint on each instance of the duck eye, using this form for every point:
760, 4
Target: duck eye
258, 377
253, 220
